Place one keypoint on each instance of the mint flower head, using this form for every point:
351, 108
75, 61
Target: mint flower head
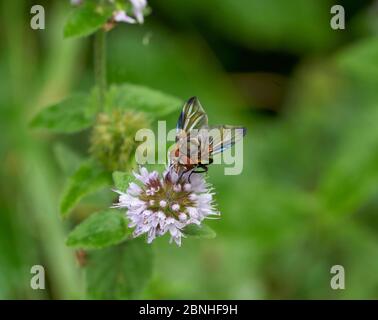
138, 7
157, 205
128, 11
113, 138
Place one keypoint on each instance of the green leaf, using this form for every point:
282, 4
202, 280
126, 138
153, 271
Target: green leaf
199, 232
86, 19
350, 181
155, 103
68, 160
359, 59
101, 229
70, 115
119, 272
121, 180
352, 178
87, 179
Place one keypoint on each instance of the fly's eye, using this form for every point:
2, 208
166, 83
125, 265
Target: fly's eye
177, 152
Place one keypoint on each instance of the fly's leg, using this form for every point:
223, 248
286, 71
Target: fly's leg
182, 173
205, 169
200, 166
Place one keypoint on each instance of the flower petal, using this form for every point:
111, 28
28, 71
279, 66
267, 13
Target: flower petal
121, 16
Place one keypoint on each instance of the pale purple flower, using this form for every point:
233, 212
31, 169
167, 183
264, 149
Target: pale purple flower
121, 16
166, 204
138, 7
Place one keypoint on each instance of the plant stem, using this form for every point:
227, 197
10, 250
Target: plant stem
100, 65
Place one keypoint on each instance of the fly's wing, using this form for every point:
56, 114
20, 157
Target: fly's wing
192, 117
224, 137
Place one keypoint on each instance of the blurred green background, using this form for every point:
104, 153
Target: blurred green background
308, 195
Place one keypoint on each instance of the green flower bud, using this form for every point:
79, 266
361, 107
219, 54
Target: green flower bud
113, 138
